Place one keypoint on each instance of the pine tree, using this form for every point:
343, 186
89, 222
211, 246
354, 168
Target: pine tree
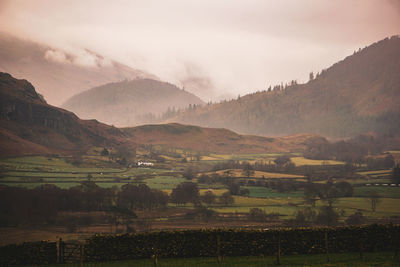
311, 76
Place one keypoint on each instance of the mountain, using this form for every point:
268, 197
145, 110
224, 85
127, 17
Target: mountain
213, 139
356, 95
59, 74
28, 125
129, 103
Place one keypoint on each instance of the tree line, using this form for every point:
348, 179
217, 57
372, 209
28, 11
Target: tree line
20, 206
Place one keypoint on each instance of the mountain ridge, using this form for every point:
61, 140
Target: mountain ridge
59, 74
28, 125
356, 95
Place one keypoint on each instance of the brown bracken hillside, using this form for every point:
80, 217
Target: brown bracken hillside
28, 125
213, 139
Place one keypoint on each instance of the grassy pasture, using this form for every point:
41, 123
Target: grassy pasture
264, 192
39, 164
211, 186
283, 206
257, 174
217, 192
208, 158
387, 207
295, 157
285, 211
382, 191
362, 181
245, 157
300, 161
163, 182
383, 172
251, 201
37, 160
34, 185
34, 171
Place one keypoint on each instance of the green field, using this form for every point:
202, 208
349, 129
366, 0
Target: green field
296, 158
283, 206
363, 181
257, 191
386, 208
335, 260
34, 171
382, 172
245, 157
256, 174
164, 182
382, 191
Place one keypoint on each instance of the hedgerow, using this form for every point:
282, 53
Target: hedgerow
239, 242
29, 253
210, 243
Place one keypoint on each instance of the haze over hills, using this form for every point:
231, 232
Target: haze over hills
356, 95
129, 103
59, 74
28, 125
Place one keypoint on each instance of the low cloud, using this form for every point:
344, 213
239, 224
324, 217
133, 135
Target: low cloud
80, 57
56, 56
236, 46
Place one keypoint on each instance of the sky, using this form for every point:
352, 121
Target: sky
227, 47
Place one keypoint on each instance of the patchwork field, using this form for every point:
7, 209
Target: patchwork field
257, 174
278, 195
299, 161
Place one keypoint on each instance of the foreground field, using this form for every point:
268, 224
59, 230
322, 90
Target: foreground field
277, 193
336, 260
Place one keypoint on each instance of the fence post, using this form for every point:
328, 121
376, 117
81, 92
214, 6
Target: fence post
396, 243
219, 258
278, 253
81, 254
326, 246
60, 251
155, 260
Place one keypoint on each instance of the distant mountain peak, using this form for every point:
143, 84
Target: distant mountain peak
130, 102
59, 74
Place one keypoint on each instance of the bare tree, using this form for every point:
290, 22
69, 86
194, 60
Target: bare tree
374, 199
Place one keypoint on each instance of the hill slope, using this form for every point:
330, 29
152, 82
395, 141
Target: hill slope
28, 125
129, 103
213, 139
57, 74
357, 95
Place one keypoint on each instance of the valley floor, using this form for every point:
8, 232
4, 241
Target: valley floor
278, 195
